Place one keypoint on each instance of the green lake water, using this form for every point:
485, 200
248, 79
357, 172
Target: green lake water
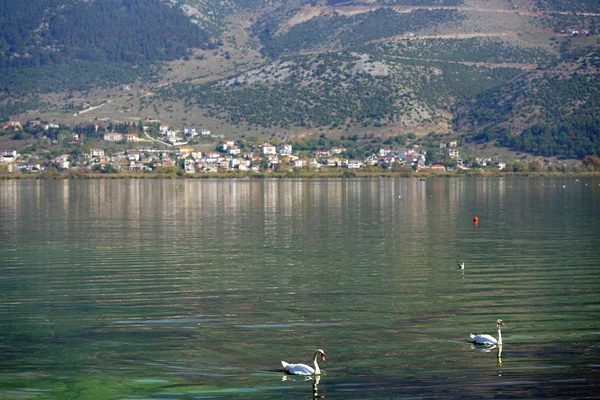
196, 289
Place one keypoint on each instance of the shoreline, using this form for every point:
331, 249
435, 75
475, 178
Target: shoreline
291, 175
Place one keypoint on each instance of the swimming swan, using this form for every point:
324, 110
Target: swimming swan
488, 339
303, 369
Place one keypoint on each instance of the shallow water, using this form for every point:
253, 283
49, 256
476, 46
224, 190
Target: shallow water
197, 289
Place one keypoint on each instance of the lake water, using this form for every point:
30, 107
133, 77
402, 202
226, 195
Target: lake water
181, 289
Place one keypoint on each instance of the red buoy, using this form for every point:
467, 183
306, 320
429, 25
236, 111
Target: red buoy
475, 219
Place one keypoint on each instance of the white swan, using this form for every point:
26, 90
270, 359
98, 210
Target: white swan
303, 369
488, 339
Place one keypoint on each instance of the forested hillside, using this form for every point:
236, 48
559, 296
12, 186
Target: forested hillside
347, 32
55, 45
549, 113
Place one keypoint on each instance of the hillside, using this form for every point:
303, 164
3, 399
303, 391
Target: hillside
58, 45
291, 68
549, 113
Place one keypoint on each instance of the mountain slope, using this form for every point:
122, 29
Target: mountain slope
549, 113
50, 45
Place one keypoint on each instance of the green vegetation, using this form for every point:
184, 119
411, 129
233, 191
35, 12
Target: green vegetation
53, 45
339, 90
480, 50
549, 114
569, 5
338, 31
562, 22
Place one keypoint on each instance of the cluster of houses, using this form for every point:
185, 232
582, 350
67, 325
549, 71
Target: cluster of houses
170, 136
228, 155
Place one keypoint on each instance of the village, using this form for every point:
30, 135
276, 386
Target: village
172, 149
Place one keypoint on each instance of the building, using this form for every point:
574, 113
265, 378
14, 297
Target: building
131, 137
285, 149
233, 151
163, 128
184, 151
354, 164
96, 153
113, 137
268, 148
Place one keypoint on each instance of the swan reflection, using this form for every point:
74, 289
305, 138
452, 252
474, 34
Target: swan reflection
484, 349
316, 388
303, 378
488, 349
499, 355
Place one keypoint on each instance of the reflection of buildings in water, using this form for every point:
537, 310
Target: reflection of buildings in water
283, 213
501, 188
10, 209
64, 195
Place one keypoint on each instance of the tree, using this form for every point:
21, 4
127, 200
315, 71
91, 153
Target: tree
592, 161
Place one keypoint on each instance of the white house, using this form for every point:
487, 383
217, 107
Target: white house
190, 132
164, 128
224, 145
233, 150
190, 166
285, 149
299, 163
268, 148
8, 156
96, 153
113, 137
62, 161
134, 155
355, 164
8, 153
131, 137
211, 157
385, 152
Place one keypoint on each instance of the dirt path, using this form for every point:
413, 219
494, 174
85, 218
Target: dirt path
443, 36
527, 67
353, 10
309, 12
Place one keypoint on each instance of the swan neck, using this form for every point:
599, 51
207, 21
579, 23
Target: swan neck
499, 335
317, 369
